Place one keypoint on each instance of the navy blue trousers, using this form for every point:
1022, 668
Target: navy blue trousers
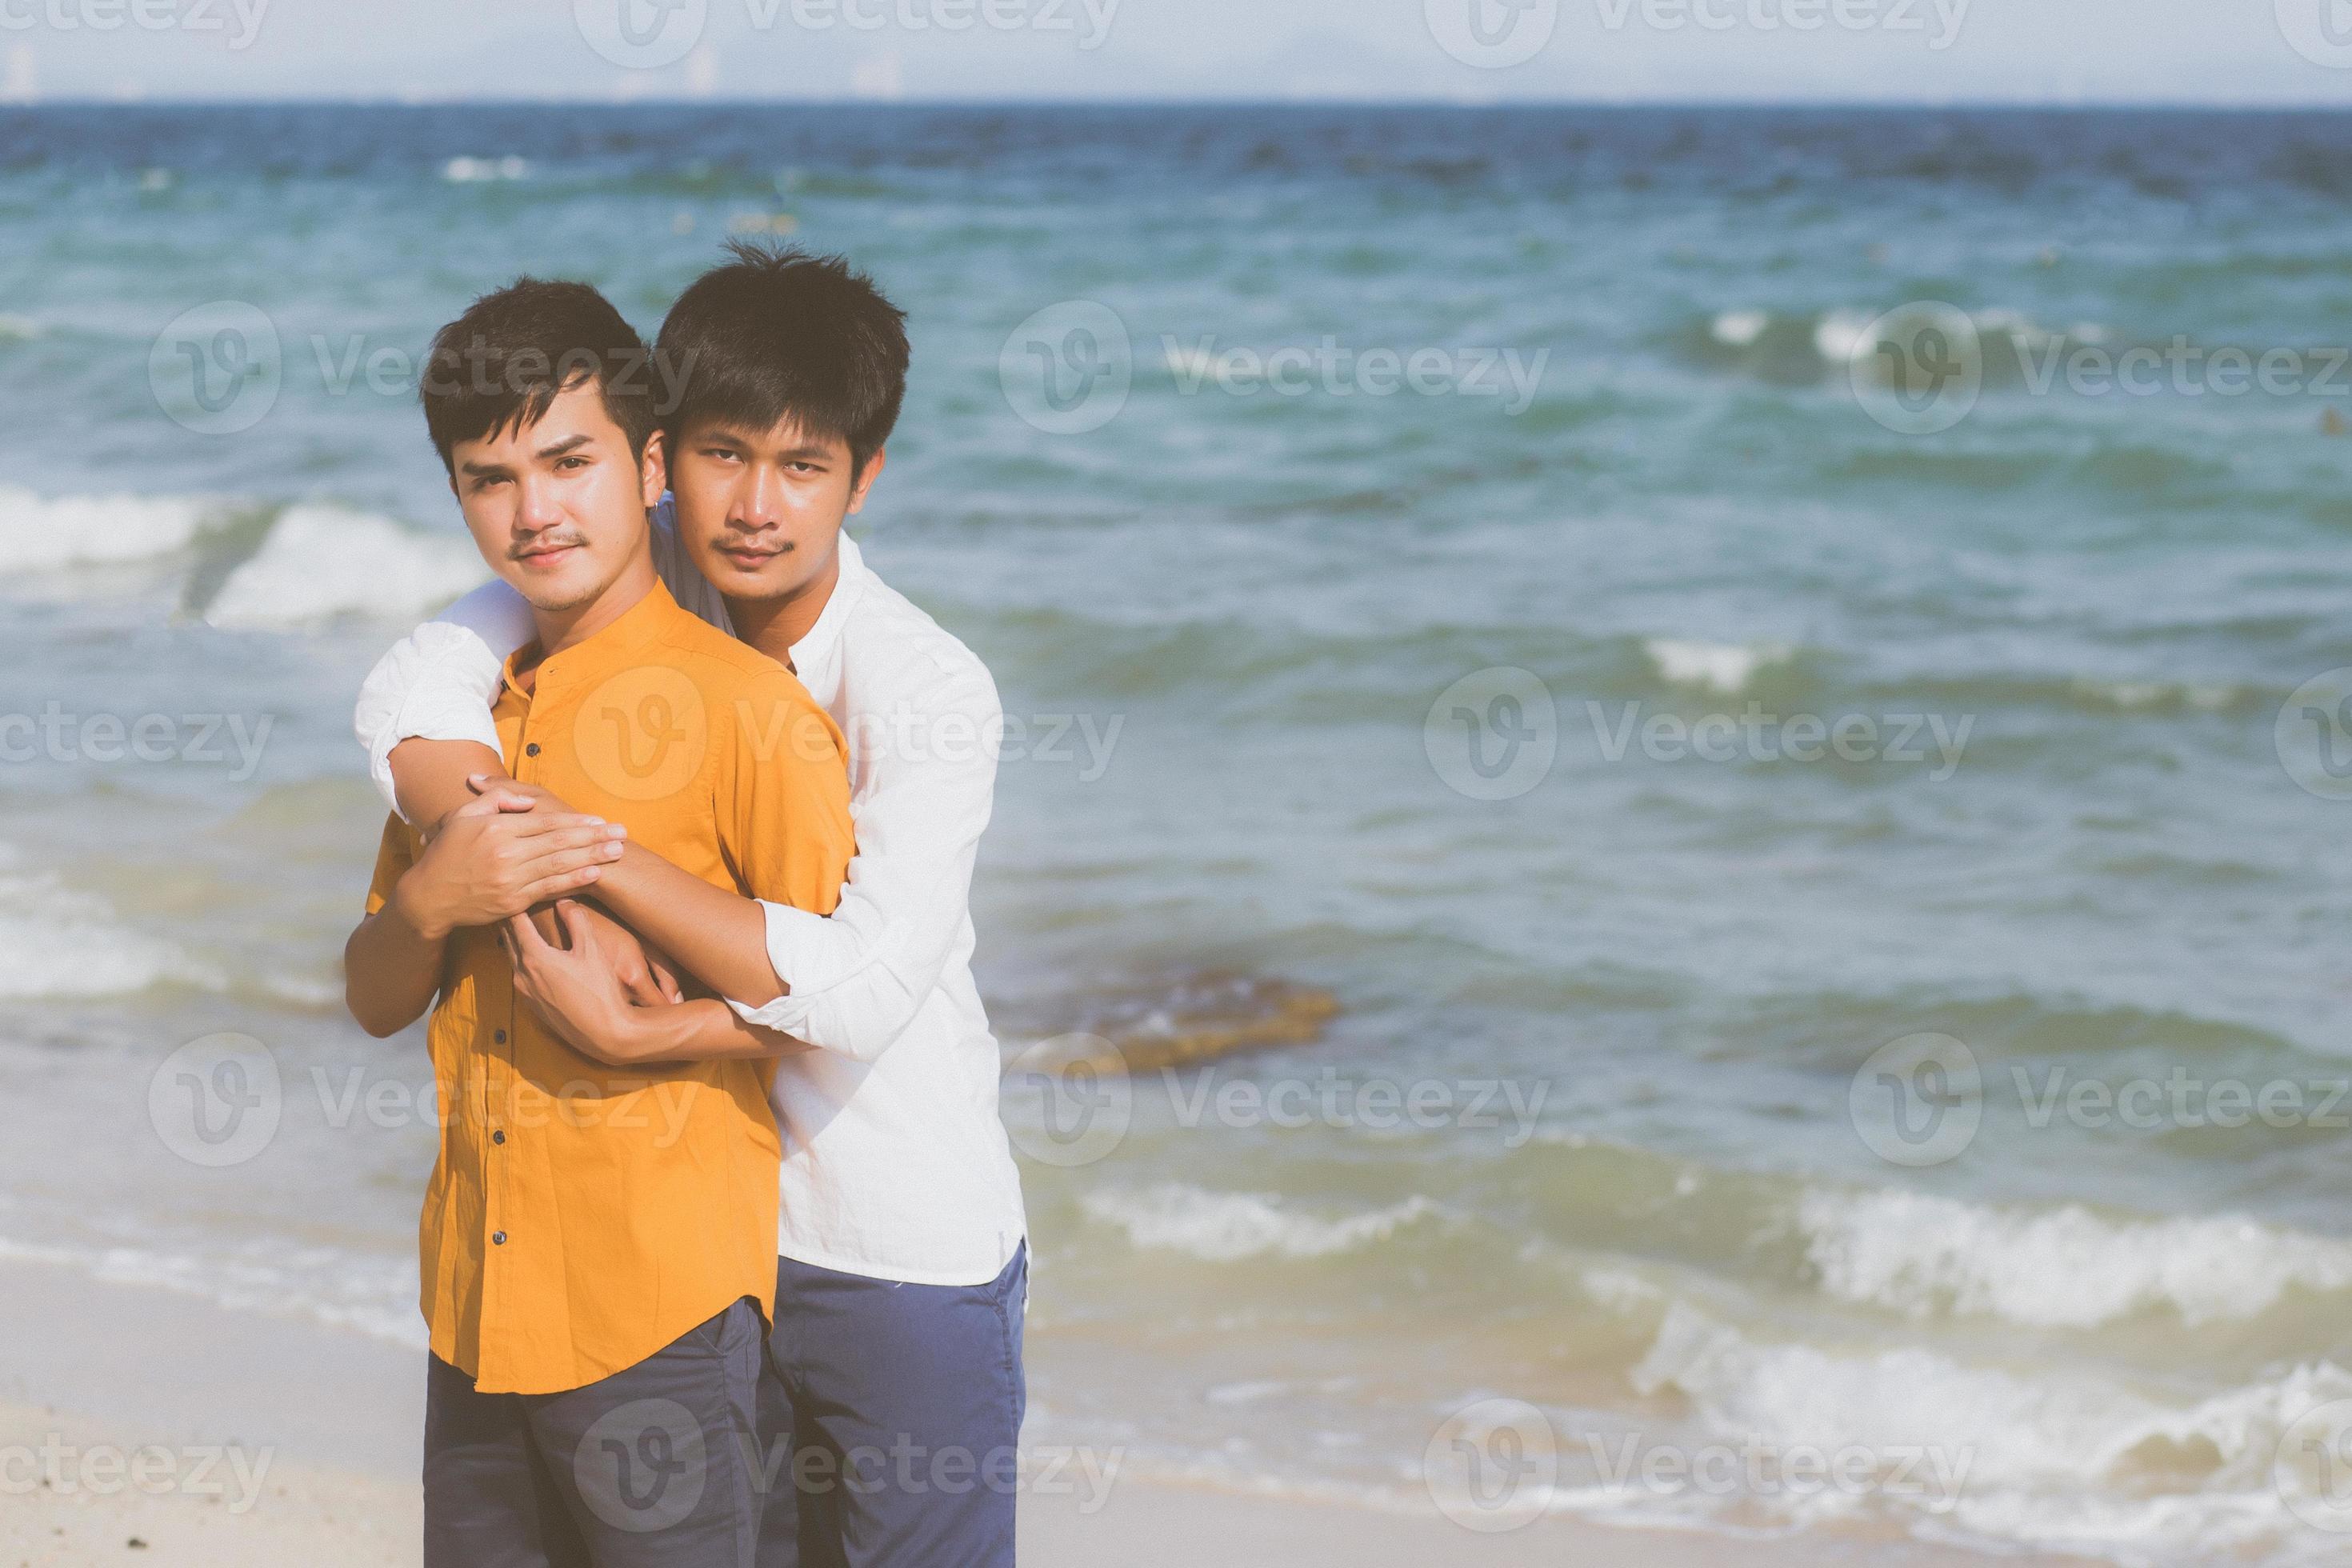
889, 1416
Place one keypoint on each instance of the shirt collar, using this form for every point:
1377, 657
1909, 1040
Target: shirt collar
608, 650
816, 657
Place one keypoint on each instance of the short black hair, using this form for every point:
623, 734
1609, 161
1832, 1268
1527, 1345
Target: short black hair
506, 360
777, 332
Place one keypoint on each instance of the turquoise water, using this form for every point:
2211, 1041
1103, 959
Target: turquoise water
1640, 996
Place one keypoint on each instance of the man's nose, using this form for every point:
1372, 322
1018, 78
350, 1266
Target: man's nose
540, 509
760, 501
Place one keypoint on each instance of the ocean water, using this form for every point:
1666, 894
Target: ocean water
1419, 768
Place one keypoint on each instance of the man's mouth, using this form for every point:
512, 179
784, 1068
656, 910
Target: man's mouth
542, 555
747, 558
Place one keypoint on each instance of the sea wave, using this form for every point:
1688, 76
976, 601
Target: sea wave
38, 535
61, 943
2061, 1268
319, 562
1226, 1227
372, 1296
1723, 667
2053, 1459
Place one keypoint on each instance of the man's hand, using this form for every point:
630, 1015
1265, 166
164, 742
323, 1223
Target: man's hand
494, 858
648, 977
575, 989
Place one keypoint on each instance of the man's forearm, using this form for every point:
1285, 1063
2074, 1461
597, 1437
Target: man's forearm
392, 969
720, 938
700, 1030
429, 776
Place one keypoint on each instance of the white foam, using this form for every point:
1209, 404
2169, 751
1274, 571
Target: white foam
1224, 1227
78, 530
371, 1296
1842, 336
1739, 329
2064, 1268
55, 942
2044, 1458
322, 561
2136, 696
1726, 668
478, 170
21, 328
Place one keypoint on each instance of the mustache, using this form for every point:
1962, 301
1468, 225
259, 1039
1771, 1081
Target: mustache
539, 542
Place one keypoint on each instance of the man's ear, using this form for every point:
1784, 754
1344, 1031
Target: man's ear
653, 471
873, 471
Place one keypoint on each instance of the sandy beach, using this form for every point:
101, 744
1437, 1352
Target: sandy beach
142, 1424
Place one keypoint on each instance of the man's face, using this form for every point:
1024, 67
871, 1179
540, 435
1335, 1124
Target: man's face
759, 511
558, 507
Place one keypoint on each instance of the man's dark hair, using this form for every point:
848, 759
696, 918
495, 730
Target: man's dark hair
499, 365
777, 332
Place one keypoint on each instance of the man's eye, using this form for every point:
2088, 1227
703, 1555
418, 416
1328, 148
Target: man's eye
722, 454
569, 463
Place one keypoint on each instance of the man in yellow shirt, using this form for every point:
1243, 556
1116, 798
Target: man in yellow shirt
598, 1242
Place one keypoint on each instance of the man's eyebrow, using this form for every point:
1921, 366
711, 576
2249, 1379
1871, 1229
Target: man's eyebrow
481, 470
561, 447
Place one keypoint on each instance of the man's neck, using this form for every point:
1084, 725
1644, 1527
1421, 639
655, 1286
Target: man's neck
774, 626
561, 630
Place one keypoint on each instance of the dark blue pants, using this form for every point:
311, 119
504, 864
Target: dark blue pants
889, 1418
649, 1468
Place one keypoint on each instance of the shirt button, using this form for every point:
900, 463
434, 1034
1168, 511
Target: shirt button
531, 750
497, 1238
499, 1037
499, 1137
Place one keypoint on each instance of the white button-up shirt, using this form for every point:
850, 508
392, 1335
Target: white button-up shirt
896, 1163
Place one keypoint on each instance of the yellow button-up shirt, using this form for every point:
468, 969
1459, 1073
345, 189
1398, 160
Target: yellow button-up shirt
582, 1216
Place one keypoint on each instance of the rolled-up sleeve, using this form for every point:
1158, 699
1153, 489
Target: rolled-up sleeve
858, 976
438, 682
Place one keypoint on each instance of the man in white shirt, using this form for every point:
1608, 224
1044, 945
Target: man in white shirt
903, 1263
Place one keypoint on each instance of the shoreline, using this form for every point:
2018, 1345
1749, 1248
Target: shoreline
239, 1439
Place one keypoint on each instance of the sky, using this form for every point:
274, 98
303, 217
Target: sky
1935, 51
